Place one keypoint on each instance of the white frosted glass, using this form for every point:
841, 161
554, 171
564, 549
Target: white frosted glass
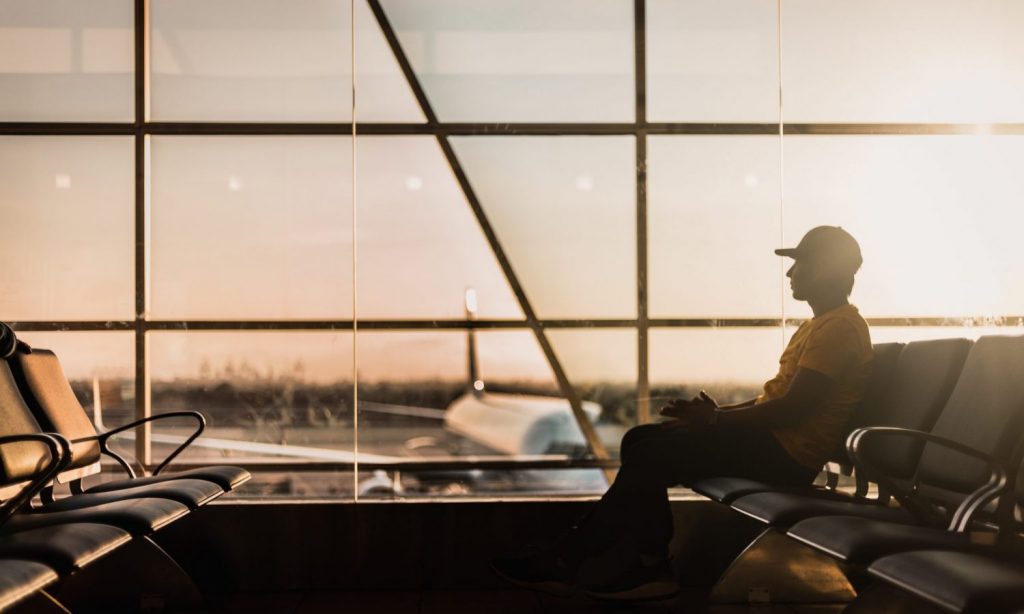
67, 206
248, 60
907, 61
251, 227
713, 223
564, 209
938, 219
266, 60
712, 61
420, 247
596, 356
516, 60
722, 360
66, 60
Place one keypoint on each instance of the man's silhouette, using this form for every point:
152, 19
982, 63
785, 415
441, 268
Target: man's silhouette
784, 436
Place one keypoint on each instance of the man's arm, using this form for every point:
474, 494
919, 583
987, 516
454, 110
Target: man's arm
738, 405
806, 392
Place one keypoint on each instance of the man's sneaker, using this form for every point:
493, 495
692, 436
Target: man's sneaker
544, 572
639, 583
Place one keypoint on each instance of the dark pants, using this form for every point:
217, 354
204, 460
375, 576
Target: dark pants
655, 459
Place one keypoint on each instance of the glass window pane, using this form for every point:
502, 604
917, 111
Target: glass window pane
564, 210
267, 396
417, 400
909, 61
714, 218
732, 364
251, 227
937, 217
712, 61
420, 246
602, 366
249, 60
521, 61
64, 60
68, 248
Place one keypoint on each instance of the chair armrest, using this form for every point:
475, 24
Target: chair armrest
104, 438
996, 484
59, 456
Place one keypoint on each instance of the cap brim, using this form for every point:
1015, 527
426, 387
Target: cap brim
790, 252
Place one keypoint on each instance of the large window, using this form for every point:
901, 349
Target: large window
456, 248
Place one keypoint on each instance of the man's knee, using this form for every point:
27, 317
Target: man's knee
635, 437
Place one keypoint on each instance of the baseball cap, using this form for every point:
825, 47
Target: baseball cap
828, 244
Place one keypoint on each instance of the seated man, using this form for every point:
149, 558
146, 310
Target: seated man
784, 436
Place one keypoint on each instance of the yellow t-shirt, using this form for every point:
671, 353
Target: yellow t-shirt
838, 345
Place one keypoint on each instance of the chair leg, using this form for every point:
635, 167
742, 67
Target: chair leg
776, 569
139, 576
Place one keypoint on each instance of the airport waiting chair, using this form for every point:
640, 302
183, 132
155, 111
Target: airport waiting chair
140, 510
46, 389
961, 469
973, 577
34, 559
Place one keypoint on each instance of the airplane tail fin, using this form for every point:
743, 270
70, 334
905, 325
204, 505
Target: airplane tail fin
473, 383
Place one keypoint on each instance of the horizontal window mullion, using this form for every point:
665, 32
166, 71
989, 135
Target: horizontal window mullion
503, 129
418, 465
370, 324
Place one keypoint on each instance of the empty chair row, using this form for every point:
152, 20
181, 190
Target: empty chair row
48, 438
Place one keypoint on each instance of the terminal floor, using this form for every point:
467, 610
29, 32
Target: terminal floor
483, 601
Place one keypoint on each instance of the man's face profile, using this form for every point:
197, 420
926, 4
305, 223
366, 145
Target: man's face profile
801, 278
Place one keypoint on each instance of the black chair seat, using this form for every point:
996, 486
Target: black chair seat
63, 547
225, 476
727, 489
191, 493
860, 541
781, 509
956, 581
137, 516
21, 579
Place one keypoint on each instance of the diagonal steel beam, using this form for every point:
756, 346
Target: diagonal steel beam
596, 447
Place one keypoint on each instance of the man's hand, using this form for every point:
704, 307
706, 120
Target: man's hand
695, 413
